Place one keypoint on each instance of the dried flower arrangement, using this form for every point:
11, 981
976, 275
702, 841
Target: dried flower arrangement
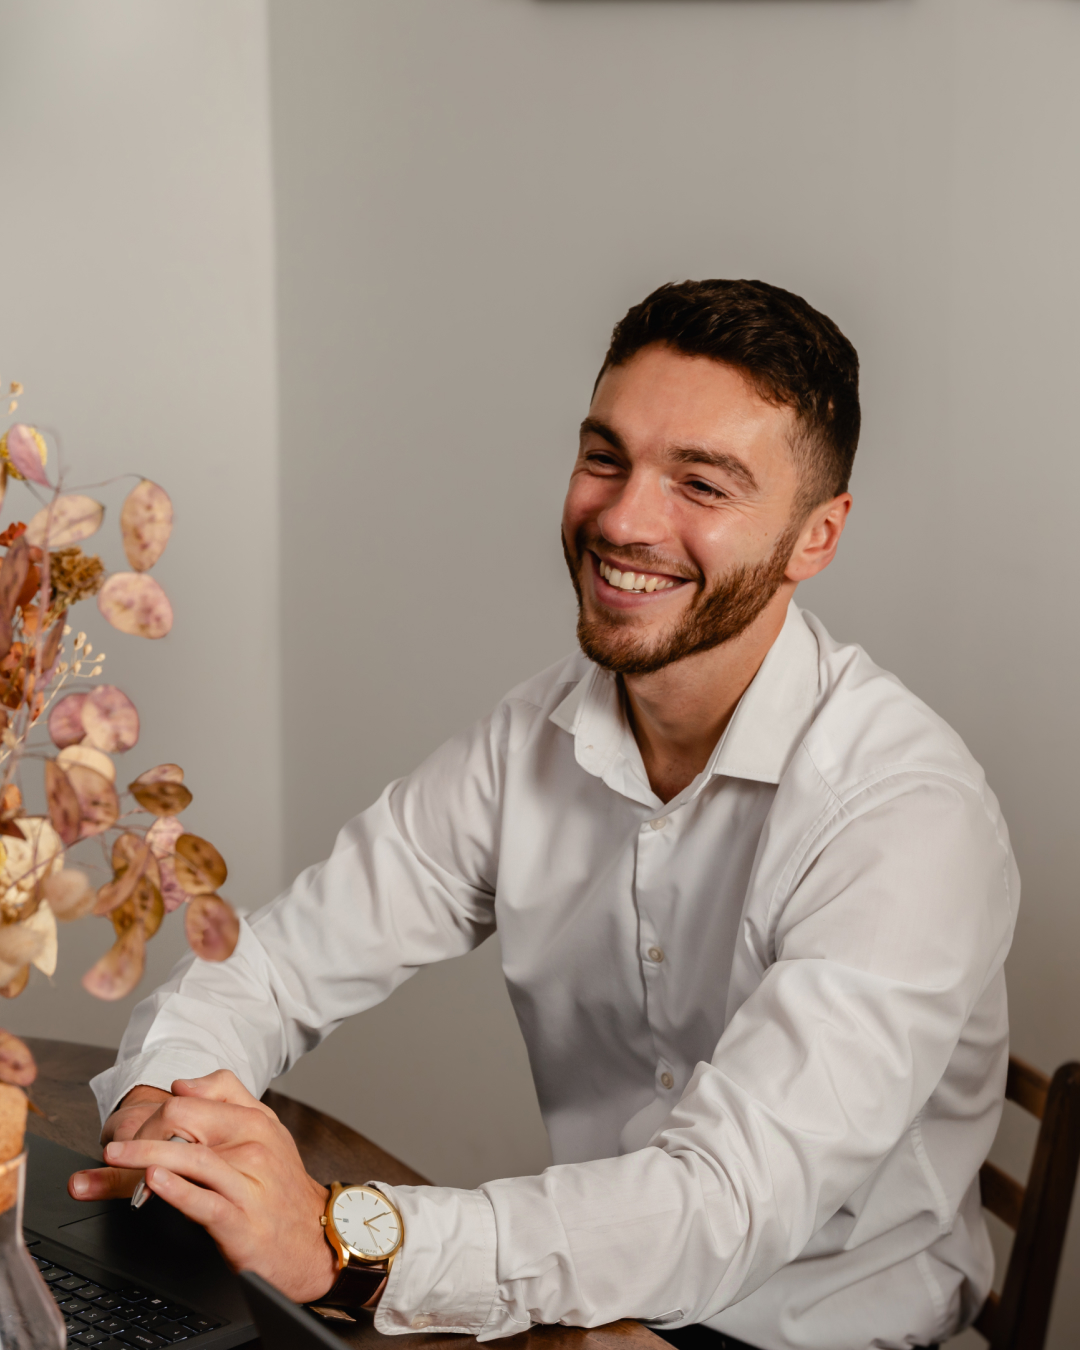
48, 695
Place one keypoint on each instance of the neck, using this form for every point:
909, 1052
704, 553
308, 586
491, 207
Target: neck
679, 713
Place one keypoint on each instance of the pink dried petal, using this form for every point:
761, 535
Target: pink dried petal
25, 451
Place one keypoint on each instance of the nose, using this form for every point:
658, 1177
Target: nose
638, 515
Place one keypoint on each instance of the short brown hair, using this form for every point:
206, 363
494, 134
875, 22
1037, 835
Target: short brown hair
794, 356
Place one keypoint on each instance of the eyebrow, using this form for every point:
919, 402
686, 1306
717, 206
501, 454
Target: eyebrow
716, 459
683, 454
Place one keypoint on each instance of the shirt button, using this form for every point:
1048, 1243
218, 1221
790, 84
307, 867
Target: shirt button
656, 954
659, 824
667, 1080
422, 1320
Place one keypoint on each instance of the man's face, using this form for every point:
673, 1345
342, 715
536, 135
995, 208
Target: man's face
678, 523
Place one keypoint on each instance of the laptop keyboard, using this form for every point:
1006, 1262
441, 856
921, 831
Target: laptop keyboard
118, 1318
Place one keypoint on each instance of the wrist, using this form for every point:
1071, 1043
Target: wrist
143, 1092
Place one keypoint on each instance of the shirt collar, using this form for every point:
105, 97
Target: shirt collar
764, 731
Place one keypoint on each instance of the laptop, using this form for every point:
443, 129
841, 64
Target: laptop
126, 1278
282, 1324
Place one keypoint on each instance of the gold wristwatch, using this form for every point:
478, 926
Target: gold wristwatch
366, 1233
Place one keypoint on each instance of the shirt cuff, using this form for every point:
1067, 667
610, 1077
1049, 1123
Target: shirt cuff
153, 1068
443, 1279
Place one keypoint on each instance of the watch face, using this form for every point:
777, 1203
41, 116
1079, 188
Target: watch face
366, 1224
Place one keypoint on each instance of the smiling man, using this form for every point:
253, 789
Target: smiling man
753, 898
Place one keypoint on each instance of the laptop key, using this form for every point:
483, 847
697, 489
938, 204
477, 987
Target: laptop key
53, 1273
71, 1326
175, 1313
200, 1324
91, 1316
109, 1302
71, 1282
133, 1295
138, 1336
72, 1305
111, 1325
169, 1331
88, 1336
92, 1291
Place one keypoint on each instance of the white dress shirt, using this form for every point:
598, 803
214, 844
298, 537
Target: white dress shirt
766, 1020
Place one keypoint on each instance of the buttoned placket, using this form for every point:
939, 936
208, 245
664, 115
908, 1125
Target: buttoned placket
655, 842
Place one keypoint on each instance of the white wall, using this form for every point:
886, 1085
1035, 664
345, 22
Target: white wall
137, 309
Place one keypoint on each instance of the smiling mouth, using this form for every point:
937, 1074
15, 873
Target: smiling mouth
634, 581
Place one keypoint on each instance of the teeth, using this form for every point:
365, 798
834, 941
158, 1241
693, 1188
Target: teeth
630, 581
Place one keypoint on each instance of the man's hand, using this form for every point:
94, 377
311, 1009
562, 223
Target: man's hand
241, 1178
133, 1114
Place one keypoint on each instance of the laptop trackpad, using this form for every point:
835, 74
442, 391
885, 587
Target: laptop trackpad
154, 1245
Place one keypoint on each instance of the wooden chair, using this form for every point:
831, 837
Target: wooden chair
1037, 1213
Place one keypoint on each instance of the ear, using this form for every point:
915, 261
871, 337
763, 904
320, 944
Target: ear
818, 539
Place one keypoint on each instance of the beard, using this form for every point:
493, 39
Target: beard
714, 617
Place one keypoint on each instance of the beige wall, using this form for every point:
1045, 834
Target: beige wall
467, 195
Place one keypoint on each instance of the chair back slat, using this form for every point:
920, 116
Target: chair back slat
1027, 1087
1020, 1320
1001, 1195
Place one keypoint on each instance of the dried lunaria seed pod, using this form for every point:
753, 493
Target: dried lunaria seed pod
146, 523
161, 799
110, 720
212, 927
65, 721
67, 520
86, 755
16, 1062
134, 603
99, 805
117, 973
161, 773
64, 809
200, 868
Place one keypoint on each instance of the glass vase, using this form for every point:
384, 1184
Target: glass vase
29, 1317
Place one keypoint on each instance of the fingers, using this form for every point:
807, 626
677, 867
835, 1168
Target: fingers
195, 1162
208, 1121
126, 1120
102, 1183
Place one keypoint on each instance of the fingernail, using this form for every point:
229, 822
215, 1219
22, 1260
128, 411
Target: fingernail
79, 1184
113, 1150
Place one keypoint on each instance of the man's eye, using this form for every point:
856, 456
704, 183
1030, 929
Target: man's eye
601, 459
707, 488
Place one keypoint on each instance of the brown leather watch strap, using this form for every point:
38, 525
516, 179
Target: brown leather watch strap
354, 1287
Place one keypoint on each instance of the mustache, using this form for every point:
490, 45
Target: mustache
635, 557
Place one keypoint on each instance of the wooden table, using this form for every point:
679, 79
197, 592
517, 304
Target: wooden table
330, 1151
